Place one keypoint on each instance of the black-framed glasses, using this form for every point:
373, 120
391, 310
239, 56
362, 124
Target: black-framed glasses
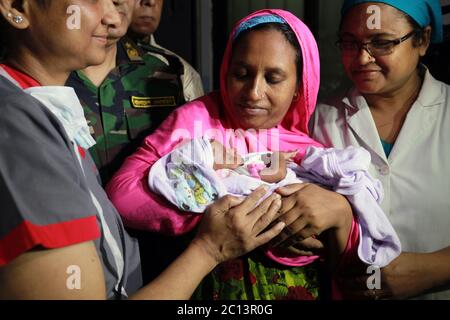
375, 48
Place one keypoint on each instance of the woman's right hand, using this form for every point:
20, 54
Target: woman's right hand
308, 210
235, 226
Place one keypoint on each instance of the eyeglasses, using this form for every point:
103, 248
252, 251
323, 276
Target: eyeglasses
375, 48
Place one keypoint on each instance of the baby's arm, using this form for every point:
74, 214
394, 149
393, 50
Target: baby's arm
278, 166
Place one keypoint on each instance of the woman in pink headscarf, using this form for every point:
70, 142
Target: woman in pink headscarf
269, 86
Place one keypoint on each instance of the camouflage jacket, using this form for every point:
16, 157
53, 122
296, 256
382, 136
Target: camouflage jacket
130, 103
192, 82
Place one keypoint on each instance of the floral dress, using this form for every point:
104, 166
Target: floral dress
255, 277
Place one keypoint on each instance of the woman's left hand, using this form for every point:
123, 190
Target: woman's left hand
308, 210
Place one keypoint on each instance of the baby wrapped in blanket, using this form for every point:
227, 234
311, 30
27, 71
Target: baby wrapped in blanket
201, 170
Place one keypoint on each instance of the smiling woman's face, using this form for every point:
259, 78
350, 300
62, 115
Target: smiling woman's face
50, 39
262, 79
382, 74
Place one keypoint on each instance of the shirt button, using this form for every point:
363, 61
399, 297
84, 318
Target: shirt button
384, 170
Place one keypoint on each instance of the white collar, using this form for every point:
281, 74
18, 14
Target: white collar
65, 105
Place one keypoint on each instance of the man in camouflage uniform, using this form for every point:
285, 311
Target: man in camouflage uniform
132, 98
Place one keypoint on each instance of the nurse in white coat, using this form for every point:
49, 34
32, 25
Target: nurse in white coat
401, 115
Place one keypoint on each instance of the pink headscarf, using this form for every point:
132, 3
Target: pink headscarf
211, 115
294, 127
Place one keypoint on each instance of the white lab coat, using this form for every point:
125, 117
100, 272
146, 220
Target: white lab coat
416, 176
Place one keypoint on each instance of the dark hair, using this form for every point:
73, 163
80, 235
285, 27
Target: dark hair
288, 34
3, 37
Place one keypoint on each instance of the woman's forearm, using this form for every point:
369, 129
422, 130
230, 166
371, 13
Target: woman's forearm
337, 240
142, 209
181, 278
436, 269
413, 274
230, 228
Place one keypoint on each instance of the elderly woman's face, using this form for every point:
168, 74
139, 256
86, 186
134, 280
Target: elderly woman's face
72, 41
262, 79
379, 74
